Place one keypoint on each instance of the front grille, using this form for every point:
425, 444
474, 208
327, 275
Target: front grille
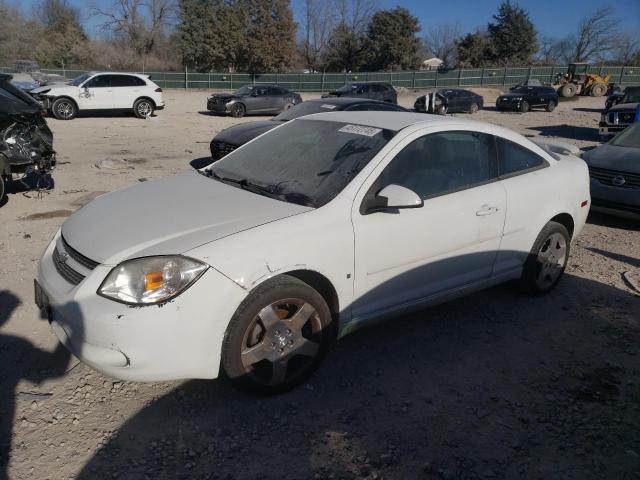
625, 207
615, 178
615, 118
68, 273
220, 149
78, 257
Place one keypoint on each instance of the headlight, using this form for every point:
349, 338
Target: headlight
150, 280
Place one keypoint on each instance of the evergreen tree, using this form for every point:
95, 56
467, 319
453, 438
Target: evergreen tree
392, 41
513, 36
474, 50
345, 50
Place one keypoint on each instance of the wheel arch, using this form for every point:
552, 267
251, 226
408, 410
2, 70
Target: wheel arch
566, 220
145, 97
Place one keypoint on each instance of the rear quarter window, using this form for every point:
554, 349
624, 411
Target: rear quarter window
514, 159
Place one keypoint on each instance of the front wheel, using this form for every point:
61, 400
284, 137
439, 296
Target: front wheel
524, 106
237, 110
474, 108
277, 337
143, 108
551, 106
441, 109
547, 259
64, 109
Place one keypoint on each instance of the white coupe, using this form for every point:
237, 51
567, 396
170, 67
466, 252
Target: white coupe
257, 263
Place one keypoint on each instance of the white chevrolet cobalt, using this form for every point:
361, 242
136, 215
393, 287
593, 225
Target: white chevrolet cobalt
255, 264
101, 91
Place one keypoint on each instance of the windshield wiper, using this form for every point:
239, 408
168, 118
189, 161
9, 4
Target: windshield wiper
244, 184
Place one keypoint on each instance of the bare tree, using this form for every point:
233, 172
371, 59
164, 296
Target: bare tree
626, 48
440, 41
318, 21
141, 22
550, 51
53, 12
595, 36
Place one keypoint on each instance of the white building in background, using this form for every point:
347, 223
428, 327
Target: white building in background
431, 64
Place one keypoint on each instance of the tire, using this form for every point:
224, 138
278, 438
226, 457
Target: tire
281, 346
551, 106
598, 90
3, 188
524, 106
238, 110
568, 90
473, 108
143, 108
441, 110
64, 109
287, 106
547, 259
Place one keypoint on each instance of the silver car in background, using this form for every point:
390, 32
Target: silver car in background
614, 169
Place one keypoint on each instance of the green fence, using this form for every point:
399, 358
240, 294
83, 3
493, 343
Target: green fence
420, 79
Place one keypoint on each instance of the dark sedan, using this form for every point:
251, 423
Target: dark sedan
449, 100
523, 99
371, 90
265, 99
231, 138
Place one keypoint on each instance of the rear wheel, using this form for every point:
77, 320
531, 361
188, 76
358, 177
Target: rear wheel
547, 259
278, 336
568, 90
598, 90
524, 106
237, 110
64, 109
143, 108
551, 106
474, 108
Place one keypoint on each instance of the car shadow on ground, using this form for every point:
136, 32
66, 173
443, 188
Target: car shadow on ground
589, 110
20, 360
568, 131
494, 385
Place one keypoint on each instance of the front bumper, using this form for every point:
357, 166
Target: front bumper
614, 200
218, 106
605, 129
179, 339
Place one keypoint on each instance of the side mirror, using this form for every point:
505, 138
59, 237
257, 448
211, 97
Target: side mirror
393, 197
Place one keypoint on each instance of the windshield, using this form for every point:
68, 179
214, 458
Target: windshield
305, 108
246, 90
307, 162
76, 82
349, 87
631, 95
521, 90
629, 137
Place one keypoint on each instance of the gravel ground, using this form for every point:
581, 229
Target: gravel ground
495, 385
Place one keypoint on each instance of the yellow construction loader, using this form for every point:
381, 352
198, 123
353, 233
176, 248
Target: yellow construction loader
578, 82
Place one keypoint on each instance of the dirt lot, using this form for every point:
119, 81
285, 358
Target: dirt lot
496, 385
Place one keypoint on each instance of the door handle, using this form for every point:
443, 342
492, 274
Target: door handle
486, 210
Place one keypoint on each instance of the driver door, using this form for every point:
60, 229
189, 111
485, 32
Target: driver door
97, 93
259, 100
406, 255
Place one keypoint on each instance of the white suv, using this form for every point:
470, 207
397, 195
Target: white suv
101, 91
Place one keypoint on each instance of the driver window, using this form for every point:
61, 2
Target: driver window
99, 82
441, 163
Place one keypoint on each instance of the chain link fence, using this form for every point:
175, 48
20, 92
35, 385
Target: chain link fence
420, 79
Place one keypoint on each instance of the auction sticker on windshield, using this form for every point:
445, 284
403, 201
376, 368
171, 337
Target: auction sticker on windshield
360, 130
327, 106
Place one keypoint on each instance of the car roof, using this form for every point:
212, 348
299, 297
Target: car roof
141, 75
344, 100
389, 120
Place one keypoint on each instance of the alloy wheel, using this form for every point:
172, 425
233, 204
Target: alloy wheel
144, 109
64, 109
551, 260
281, 342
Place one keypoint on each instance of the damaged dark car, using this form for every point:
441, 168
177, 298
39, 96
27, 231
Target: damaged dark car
26, 142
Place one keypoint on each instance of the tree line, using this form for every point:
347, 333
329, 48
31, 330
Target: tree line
265, 36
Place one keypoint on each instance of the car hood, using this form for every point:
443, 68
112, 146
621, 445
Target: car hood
623, 106
625, 159
225, 95
55, 89
511, 95
168, 216
244, 132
